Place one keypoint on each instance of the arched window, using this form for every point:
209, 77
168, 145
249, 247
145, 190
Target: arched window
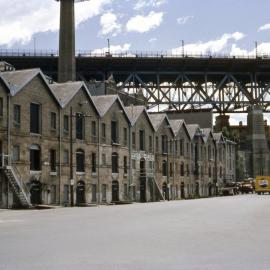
114, 162
35, 157
182, 170
80, 160
164, 168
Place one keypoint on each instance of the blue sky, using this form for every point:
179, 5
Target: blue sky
217, 26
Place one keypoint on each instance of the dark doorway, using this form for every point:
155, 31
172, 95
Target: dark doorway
35, 192
165, 191
197, 189
35, 161
80, 193
210, 190
182, 190
115, 191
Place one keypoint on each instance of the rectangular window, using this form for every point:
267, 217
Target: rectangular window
142, 140
125, 136
80, 161
94, 129
53, 120
94, 163
16, 153
114, 133
17, 114
53, 160
66, 157
53, 193
133, 164
114, 163
150, 144
66, 123
104, 159
1, 106
156, 143
104, 192
35, 118
182, 147
125, 165
171, 169
164, 144
79, 126
125, 191
94, 192
133, 140
103, 132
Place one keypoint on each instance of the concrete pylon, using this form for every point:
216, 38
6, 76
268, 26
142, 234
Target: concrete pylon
257, 143
66, 61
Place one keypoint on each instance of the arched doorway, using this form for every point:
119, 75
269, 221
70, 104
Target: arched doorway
142, 181
115, 191
35, 192
80, 193
35, 158
165, 190
182, 187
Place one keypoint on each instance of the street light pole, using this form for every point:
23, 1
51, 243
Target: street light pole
71, 160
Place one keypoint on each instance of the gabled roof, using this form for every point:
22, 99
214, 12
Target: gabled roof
157, 119
218, 137
177, 124
105, 102
134, 112
207, 132
192, 130
18, 79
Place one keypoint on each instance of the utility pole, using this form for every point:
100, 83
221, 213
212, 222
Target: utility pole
183, 48
109, 47
71, 160
256, 49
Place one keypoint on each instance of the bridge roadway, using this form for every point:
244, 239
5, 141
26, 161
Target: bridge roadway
225, 84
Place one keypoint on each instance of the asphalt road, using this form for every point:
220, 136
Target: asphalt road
206, 234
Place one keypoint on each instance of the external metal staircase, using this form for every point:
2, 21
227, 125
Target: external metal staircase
18, 187
159, 190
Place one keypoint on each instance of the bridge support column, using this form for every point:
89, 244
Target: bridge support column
66, 62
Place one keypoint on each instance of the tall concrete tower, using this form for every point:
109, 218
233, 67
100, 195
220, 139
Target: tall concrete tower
67, 62
256, 139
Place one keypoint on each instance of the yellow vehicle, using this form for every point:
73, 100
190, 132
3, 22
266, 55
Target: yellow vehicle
262, 184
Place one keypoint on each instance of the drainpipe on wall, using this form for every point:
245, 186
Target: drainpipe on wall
130, 162
60, 155
8, 143
98, 161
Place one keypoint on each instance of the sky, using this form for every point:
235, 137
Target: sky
206, 26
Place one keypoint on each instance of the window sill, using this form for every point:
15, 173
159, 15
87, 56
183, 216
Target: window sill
35, 134
80, 173
94, 174
115, 144
53, 173
35, 172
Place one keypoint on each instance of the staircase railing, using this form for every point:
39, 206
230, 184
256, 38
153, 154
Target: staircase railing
18, 174
160, 191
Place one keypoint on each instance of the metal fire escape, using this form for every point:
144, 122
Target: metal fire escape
18, 187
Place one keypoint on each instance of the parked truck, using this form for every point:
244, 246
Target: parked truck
262, 184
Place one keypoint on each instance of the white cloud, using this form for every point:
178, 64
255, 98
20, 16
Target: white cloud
152, 40
211, 46
113, 49
144, 24
262, 49
141, 4
109, 24
264, 27
32, 16
184, 19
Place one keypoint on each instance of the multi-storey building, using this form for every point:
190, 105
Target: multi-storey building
60, 145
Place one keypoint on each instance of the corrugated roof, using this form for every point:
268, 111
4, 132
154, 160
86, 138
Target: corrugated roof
66, 91
16, 80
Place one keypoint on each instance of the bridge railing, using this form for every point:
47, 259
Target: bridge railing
128, 54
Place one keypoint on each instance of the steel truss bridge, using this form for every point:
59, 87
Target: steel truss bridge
171, 82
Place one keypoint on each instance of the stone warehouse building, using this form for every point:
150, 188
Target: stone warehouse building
60, 145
